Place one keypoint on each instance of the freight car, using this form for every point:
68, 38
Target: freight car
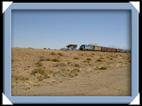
90, 47
106, 49
86, 47
99, 48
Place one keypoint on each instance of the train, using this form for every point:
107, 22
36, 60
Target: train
85, 47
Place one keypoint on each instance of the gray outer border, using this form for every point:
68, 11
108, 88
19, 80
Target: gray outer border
71, 99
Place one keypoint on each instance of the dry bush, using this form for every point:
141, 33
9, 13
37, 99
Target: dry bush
38, 70
76, 58
52, 53
69, 62
42, 72
55, 60
43, 58
40, 78
38, 64
88, 59
101, 59
81, 54
68, 72
60, 64
76, 65
93, 54
48, 59
85, 61
65, 72
74, 72
60, 54
20, 77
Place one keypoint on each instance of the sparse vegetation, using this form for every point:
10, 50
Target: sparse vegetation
60, 54
48, 59
76, 58
55, 60
74, 72
52, 53
38, 64
39, 68
99, 60
88, 59
76, 65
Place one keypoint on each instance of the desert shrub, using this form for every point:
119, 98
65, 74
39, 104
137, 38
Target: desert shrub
74, 72
60, 64
76, 65
52, 53
76, 58
60, 54
42, 58
64, 72
38, 64
68, 72
28, 66
93, 54
68, 62
47, 59
39, 71
20, 77
40, 78
55, 60
85, 61
81, 54
88, 59
99, 60
103, 68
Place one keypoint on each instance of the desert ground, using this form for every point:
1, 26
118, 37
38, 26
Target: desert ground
37, 72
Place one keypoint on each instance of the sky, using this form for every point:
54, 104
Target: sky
57, 28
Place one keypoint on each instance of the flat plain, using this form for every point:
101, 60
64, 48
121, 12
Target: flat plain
43, 72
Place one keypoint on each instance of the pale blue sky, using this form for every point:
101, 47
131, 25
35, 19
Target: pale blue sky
57, 28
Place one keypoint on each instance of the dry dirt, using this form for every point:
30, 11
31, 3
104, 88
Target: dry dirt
66, 73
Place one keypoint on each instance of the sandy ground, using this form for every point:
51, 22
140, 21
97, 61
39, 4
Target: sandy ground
70, 73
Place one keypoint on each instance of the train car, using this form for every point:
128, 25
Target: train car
103, 49
117, 50
113, 50
97, 48
86, 47
89, 47
107, 49
82, 47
